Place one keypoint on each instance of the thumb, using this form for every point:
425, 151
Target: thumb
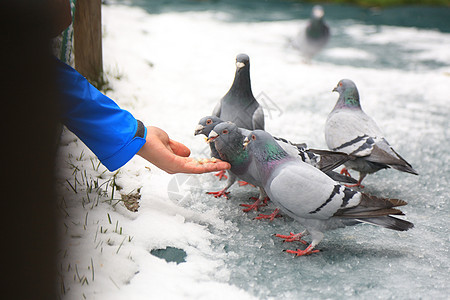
179, 148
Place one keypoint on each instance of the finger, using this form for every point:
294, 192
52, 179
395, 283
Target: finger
197, 167
179, 148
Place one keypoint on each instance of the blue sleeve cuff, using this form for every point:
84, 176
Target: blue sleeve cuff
126, 153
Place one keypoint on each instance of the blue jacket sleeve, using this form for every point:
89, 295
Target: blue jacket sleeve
113, 134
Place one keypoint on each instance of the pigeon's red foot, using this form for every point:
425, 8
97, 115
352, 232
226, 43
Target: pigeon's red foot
309, 250
255, 206
221, 174
292, 237
358, 184
219, 193
265, 200
242, 183
271, 217
345, 172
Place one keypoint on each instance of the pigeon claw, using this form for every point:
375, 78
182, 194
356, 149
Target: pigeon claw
292, 237
309, 250
358, 184
221, 174
345, 172
271, 217
219, 194
242, 183
255, 206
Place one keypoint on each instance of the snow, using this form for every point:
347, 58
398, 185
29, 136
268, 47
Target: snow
169, 70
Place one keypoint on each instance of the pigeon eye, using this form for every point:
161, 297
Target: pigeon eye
208, 122
253, 137
225, 131
340, 83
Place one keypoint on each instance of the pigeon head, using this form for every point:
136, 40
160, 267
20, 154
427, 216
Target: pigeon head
228, 142
206, 124
241, 90
264, 146
348, 94
317, 12
242, 60
226, 133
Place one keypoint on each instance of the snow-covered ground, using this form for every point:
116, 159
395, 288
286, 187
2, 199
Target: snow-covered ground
170, 70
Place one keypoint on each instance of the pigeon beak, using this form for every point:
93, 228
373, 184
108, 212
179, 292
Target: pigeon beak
199, 129
212, 136
335, 89
246, 141
240, 65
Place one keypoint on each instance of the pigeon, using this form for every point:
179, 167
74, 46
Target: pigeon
228, 139
239, 105
205, 126
348, 129
313, 199
324, 160
314, 37
321, 159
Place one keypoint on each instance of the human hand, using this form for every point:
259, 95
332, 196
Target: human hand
173, 157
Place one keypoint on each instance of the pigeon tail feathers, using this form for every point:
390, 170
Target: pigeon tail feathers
388, 222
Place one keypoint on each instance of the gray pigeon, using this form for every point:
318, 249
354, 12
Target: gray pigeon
323, 160
348, 129
239, 105
228, 139
205, 126
314, 37
312, 198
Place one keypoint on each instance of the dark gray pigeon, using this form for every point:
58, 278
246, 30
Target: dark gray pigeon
239, 105
348, 129
205, 126
314, 37
313, 199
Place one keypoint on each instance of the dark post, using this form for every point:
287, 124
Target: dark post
88, 40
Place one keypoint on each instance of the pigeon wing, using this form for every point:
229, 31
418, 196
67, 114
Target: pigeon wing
217, 109
383, 153
352, 132
304, 191
258, 118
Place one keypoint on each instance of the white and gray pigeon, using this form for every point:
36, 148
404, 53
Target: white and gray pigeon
314, 37
313, 199
324, 160
228, 138
350, 130
239, 105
